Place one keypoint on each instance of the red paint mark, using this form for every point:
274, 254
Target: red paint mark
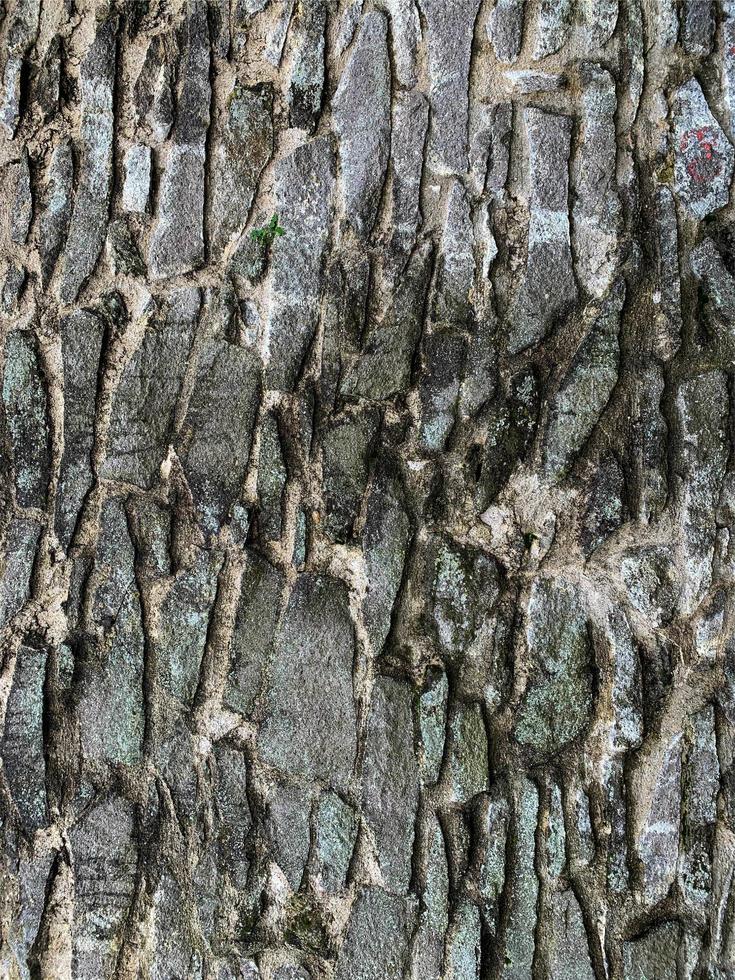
702, 156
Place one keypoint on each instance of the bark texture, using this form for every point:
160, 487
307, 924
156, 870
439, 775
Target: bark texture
367, 593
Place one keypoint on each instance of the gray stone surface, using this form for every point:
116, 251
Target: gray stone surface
12, 288
701, 413
105, 862
376, 944
296, 263
182, 627
235, 818
287, 825
505, 29
698, 26
22, 212
465, 586
346, 454
25, 402
82, 337
91, 200
310, 724
432, 724
386, 537
410, 126
405, 34
218, 428
428, 945
597, 212
390, 781
111, 708
54, 220
242, 145
494, 815
586, 388
467, 760
19, 550
272, 476
549, 288
520, 945
569, 957
658, 841
704, 157
443, 359
137, 178
653, 953
153, 94
145, 399
456, 273
558, 697
307, 78
552, 29
21, 746
361, 111
384, 363
253, 634
177, 242
336, 832
449, 42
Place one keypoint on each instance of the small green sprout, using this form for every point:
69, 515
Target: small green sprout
268, 233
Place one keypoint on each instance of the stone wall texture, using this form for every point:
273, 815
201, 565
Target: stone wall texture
367, 590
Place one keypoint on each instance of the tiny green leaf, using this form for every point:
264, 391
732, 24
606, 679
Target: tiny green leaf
268, 233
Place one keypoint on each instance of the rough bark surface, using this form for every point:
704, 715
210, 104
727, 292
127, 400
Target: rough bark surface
367, 594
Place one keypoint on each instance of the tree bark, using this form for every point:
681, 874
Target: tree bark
367, 489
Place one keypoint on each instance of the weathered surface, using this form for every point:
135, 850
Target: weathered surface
309, 727
91, 201
217, 431
242, 147
177, 241
82, 336
704, 157
367, 490
148, 390
110, 681
390, 782
22, 743
376, 944
449, 43
549, 289
25, 402
304, 185
361, 112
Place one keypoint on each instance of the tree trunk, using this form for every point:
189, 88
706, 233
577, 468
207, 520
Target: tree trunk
367, 489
